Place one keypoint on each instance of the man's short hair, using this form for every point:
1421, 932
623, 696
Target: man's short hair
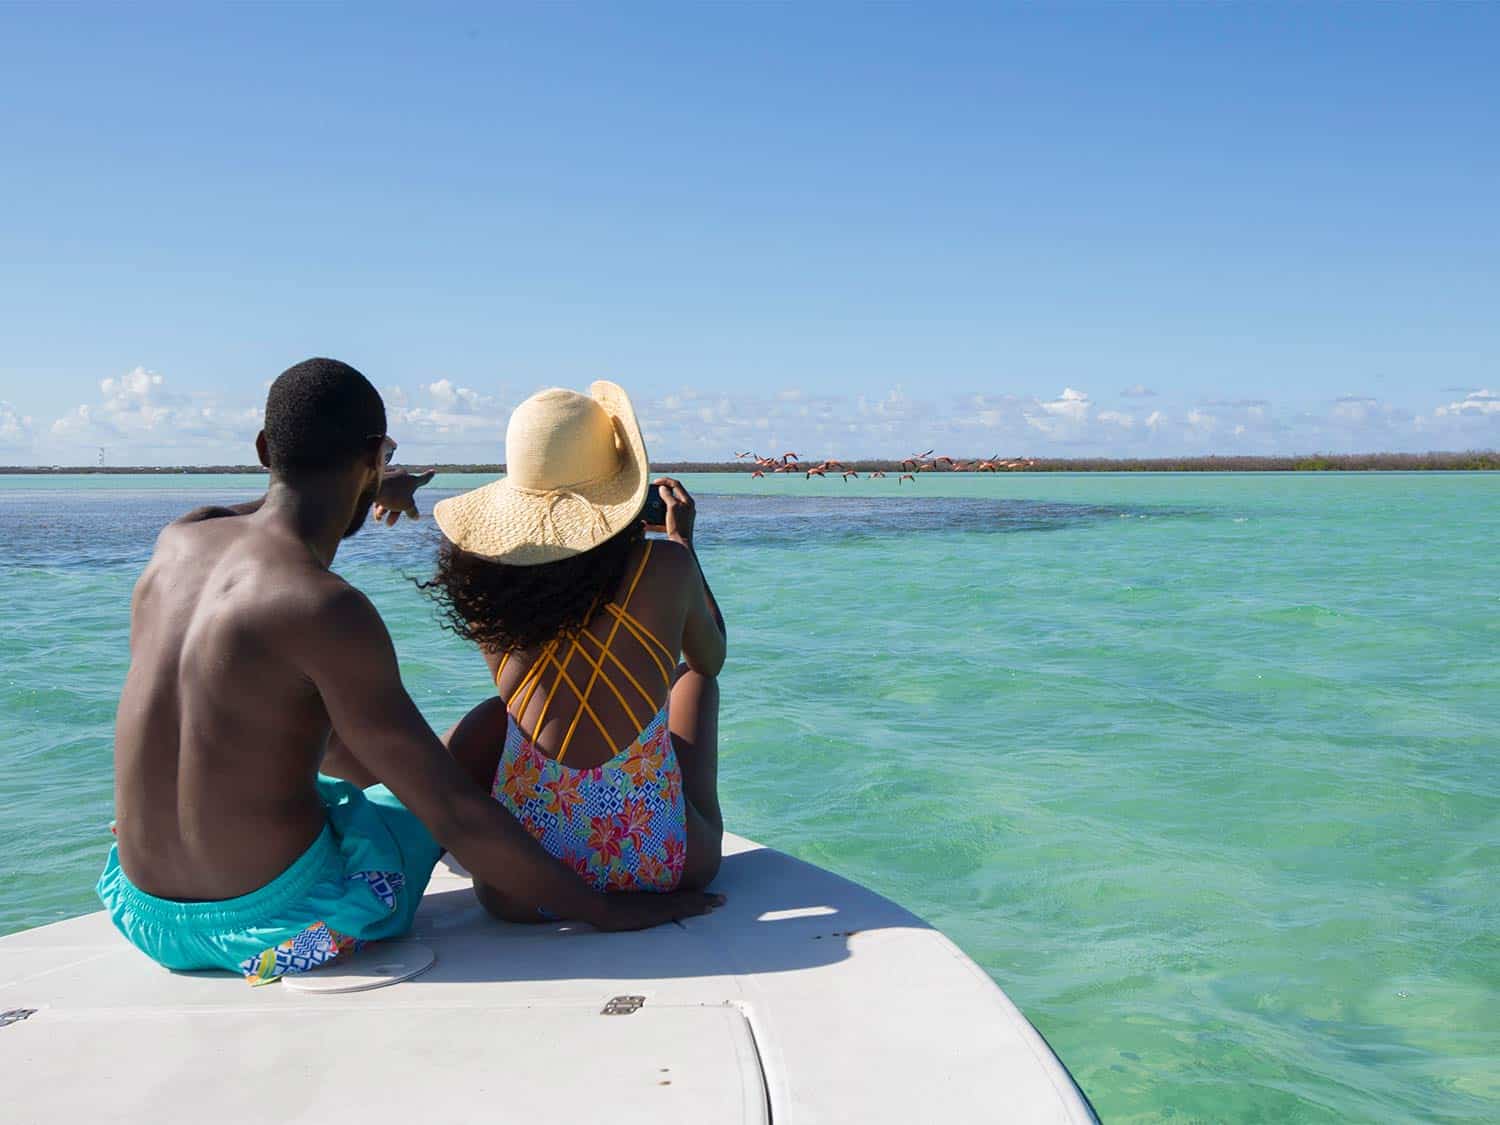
321, 414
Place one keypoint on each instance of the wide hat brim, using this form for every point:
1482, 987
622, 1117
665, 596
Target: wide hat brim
518, 526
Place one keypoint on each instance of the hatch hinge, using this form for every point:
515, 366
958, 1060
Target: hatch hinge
622, 1005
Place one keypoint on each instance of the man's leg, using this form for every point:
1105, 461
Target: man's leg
693, 716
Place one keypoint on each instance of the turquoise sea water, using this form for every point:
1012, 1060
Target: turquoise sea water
1202, 768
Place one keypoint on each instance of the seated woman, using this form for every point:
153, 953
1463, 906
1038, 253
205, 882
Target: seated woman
600, 742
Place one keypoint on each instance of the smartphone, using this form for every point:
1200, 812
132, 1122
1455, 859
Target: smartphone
655, 514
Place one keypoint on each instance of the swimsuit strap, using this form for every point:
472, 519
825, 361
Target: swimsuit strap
531, 680
583, 703
533, 676
645, 636
599, 667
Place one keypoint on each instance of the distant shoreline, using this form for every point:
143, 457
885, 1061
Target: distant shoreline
1313, 462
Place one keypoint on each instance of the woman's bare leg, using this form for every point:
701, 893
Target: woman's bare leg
476, 743
506, 908
478, 739
693, 716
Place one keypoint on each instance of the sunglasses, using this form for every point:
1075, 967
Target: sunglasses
387, 446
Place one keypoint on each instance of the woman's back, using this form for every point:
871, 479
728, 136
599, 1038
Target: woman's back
582, 700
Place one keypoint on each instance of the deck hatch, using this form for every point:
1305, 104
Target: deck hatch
348, 1058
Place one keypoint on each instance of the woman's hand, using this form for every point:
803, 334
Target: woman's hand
682, 512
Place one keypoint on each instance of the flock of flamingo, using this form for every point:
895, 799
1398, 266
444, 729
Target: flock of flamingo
923, 462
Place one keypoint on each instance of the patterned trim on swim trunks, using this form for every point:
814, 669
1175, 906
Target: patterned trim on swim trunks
314, 946
621, 825
386, 884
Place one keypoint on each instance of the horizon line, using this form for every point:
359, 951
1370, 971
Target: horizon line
1435, 460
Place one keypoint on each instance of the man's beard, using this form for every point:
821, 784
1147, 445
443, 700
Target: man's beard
362, 511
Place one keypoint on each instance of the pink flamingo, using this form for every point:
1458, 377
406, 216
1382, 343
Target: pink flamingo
850, 473
757, 473
816, 471
906, 477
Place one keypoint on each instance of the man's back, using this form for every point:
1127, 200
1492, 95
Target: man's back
219, 734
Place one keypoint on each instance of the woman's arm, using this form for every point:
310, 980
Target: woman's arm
703, 631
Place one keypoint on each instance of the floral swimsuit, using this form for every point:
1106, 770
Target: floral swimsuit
621, 825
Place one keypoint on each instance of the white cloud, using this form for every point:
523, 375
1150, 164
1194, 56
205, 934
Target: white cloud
444, 419
139, 419
1063, 417
1354, 408
1139, 390
16, 433
453, 399
1156, 420
1475, 404
1117, 418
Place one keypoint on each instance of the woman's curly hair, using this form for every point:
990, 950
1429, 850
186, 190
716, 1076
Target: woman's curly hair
505, 608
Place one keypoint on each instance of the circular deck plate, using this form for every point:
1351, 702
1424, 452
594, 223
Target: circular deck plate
375, 966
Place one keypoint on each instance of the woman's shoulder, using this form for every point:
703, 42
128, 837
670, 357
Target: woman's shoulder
667, 556
669, 563
664, 567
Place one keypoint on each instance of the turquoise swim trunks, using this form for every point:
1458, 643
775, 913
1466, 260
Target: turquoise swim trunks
361, 880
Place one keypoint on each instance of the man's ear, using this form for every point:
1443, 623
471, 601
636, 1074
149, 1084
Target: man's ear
262, 450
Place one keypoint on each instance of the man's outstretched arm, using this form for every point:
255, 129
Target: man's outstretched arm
347, 653
396, 496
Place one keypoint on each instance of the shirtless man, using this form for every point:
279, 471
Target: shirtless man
232, 851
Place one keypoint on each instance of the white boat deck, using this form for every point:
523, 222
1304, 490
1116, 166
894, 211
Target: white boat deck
805, 999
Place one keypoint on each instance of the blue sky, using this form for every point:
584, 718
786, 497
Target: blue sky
847, 230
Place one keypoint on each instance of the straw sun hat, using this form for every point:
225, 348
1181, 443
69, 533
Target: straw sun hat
576, 474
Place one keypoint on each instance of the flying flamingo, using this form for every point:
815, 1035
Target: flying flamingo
757, 473
850, 473
785, 457
816, 471
906, 477
876, 473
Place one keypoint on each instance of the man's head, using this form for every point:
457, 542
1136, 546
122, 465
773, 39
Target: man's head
325, 420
